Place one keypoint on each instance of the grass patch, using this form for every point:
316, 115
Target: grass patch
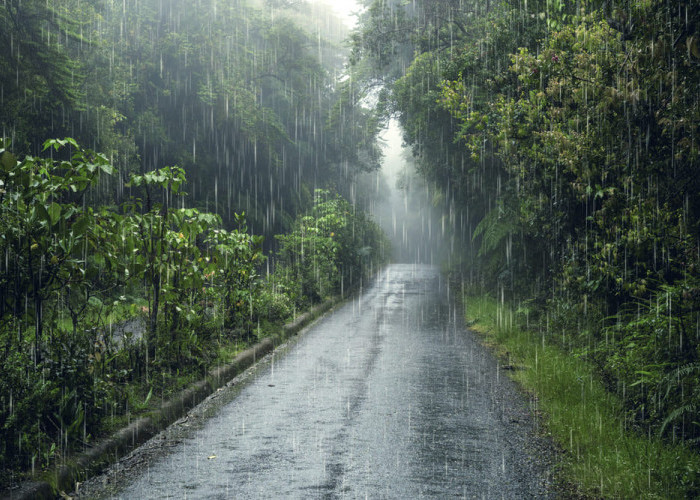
601, 456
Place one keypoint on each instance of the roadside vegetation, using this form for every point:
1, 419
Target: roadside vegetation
564, 138
604, 454
116, 286
183, 291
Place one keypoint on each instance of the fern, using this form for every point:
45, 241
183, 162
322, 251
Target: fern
682, 371
690, 409
493, 228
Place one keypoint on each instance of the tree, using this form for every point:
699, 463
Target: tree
46, 228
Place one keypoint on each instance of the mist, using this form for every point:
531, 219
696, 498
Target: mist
406, 208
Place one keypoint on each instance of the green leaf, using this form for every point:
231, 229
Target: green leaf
148, 398
107, 169
8, 161
99, 260
43, 214
95, 302
54, 213
81, 226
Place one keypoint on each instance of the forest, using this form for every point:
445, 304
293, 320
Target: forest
177, 179
565, 137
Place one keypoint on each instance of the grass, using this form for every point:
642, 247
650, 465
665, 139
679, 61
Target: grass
600, 457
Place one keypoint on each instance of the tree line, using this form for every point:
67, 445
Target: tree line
245, 96
117, 287
566, 137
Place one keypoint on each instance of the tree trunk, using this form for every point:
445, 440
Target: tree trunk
153, 323
38, 327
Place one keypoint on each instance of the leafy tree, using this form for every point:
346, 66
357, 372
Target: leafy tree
46, 233
567, 134
152, 228
238, 256
331, 250
42, 73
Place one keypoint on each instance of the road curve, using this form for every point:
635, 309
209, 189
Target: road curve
387, 397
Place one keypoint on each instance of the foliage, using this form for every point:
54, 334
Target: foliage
45, 230
237, 256
47, 235
331, 250
41, 72
601, 458
244, 102
131, 301
653, 356
567, 135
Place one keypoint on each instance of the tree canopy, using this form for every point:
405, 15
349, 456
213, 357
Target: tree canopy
567, 134
241, 95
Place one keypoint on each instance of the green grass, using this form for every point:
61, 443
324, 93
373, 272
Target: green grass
120, 311
600, 456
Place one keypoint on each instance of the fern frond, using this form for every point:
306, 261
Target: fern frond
673, 376
493, 228
690, 408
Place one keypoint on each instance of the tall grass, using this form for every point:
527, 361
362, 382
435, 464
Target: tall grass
600, 456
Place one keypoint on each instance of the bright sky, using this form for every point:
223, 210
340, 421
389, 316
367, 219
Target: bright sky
344, 8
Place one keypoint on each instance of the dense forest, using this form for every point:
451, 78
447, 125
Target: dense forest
565, 137
177, 179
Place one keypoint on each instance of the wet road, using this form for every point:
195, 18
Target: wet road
386, 397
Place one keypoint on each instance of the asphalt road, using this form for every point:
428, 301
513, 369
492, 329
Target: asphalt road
389, 396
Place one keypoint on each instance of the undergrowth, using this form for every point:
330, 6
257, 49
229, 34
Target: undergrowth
601, 457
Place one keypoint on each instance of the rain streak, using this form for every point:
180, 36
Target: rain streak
349, 249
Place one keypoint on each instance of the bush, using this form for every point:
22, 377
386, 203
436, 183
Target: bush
332, 249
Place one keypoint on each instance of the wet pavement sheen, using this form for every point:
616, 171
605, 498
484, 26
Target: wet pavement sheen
386, 397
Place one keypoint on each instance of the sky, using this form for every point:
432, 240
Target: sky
344, 8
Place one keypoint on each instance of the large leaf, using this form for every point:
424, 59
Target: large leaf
81, 225
54, 212
43, 214
8, 161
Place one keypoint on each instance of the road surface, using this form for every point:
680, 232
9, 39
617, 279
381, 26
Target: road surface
389, 396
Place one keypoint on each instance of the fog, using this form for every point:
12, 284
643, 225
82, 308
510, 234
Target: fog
409, 210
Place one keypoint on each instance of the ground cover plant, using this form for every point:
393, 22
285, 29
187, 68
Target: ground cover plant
603, 453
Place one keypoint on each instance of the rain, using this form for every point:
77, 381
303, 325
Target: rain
369, 248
